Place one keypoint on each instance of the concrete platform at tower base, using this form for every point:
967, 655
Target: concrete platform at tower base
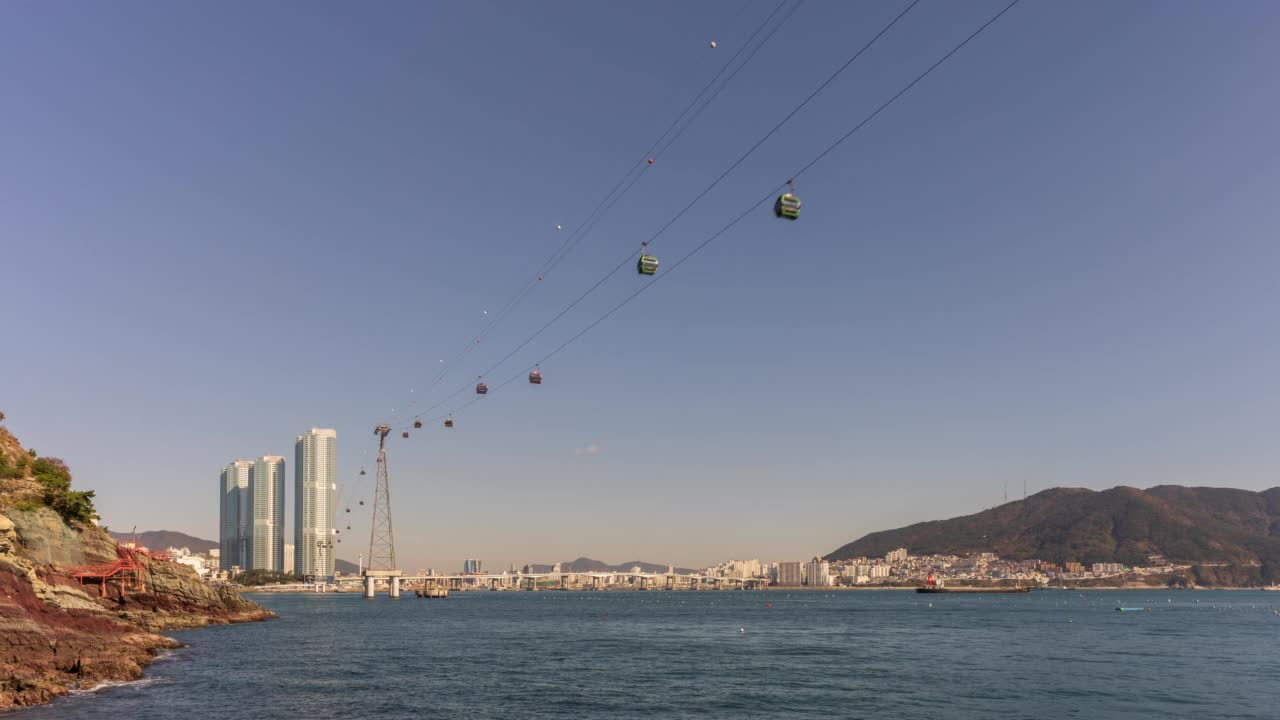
393, 582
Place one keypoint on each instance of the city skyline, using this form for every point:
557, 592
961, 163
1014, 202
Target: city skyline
1048, 261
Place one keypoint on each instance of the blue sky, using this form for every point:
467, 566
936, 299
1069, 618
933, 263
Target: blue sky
1051, 261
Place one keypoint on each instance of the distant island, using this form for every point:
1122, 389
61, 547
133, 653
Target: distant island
1225, 537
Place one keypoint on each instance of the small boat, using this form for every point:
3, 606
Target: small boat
1125, 609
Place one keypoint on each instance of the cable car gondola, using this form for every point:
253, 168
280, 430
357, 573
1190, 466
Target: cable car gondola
535, 377
361, 471
405, 434
788, 204
482, 389
417, 424
647, 264
362, 502
348, 508
448, 422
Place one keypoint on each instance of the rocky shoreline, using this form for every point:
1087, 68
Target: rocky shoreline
57, 637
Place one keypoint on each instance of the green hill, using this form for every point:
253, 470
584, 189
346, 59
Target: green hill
1183, 524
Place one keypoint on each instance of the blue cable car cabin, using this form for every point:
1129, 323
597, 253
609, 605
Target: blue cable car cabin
787, 206
648, 265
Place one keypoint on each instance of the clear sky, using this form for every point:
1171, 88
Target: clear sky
1052, 261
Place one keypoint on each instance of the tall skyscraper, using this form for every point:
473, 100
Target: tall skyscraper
315, 486
266, 509
233, 498
470, 566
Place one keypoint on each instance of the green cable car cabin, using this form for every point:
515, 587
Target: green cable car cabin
648, 265
787, 206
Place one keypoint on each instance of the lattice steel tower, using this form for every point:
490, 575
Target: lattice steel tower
382, 541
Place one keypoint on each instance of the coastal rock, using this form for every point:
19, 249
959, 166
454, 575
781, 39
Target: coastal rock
56, 636
46, 540
45, 651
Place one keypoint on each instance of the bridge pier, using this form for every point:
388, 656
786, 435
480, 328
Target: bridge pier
393, 582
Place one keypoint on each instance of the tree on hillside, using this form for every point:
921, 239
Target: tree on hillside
55, 485
264, 577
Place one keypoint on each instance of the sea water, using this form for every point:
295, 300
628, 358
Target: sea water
730, 654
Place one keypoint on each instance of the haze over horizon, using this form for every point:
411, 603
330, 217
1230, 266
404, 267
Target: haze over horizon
1052, 260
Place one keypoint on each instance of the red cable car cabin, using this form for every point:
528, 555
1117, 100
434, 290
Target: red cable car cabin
535, 377
481, 389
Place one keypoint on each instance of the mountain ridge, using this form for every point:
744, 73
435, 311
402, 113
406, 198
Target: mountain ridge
586, 564
1188, 525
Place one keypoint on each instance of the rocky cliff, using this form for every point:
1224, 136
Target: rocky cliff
56, 635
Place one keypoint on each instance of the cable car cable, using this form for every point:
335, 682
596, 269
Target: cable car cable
818, 158
650, 153
828, 150
783, 121
714, 95
699, 197
613, 196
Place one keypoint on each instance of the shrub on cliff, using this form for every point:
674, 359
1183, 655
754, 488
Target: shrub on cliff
13, 469
55, 487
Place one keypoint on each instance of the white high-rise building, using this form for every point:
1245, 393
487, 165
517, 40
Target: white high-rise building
288, 557
314, 491
233, 498
817, 573
265, 549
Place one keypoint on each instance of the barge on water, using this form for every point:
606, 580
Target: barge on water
933, 586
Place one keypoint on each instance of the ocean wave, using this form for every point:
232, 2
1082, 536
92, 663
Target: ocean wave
108, 684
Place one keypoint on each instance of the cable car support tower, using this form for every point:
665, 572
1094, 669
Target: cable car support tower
382, 542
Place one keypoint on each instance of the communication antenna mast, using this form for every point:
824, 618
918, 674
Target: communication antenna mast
382, 543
